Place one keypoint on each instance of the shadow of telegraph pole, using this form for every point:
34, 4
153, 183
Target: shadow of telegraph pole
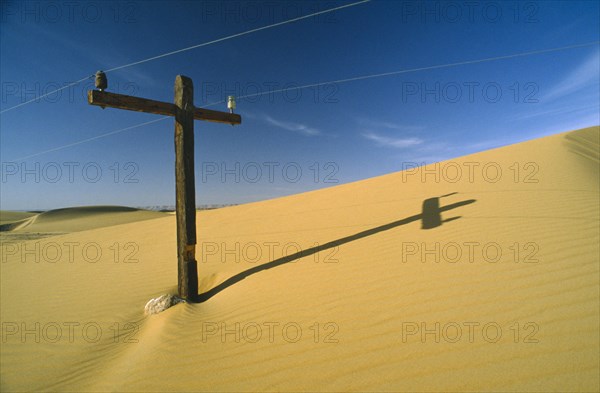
430, 217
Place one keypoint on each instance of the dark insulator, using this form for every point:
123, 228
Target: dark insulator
101, 81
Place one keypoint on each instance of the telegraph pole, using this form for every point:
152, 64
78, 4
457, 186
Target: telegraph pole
185, 113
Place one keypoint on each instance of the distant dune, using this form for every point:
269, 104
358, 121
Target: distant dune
9, 217
475, 274
17, 225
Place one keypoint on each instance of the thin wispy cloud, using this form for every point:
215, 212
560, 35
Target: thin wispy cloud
387, 141
585, 75
294, 127
377, 124
429, 152
375, 131
558, 111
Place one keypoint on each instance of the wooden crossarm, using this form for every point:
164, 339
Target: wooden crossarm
121, 101
216, 116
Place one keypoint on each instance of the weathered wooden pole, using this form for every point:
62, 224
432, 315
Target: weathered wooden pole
185, 188
185, 191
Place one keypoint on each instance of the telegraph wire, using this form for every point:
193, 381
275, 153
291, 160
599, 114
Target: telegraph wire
448, 65
192, 47
487, 59
92, 138
238, 35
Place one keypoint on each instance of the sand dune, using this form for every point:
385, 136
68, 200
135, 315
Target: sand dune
9, 217
18, 226
474, 274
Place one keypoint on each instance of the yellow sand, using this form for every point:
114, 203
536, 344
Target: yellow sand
368, 293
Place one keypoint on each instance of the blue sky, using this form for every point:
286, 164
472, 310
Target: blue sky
291, 141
